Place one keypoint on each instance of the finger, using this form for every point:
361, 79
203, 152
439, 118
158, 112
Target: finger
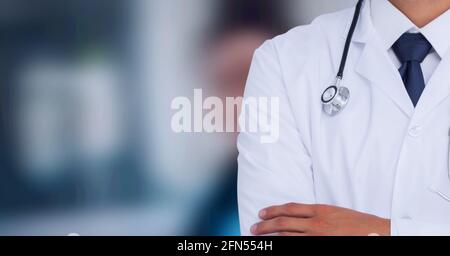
288, 210
281, 224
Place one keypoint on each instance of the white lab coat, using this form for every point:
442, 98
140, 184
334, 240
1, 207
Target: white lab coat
379, 156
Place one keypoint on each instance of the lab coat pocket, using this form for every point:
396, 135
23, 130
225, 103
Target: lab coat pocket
441, 183
442, 187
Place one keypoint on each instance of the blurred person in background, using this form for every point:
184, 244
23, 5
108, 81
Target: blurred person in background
241, 27
69, 128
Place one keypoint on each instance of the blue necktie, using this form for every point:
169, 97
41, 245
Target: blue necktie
411, 50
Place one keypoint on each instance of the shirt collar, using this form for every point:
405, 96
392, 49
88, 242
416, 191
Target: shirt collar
390, 23
436, 33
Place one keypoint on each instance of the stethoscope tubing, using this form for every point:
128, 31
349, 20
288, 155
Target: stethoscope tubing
335, 97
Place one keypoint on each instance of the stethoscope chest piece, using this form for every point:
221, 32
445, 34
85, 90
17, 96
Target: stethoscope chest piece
335, 98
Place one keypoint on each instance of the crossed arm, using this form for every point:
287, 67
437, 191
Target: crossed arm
318, 220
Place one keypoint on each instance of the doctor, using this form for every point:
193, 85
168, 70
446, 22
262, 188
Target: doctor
376, 161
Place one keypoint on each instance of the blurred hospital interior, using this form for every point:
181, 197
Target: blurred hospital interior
85, 94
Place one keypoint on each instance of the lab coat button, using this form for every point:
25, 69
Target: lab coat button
415, 131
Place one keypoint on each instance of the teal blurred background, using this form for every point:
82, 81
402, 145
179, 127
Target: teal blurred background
85, 90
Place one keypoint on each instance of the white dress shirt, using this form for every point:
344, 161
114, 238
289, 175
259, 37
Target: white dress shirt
390, 23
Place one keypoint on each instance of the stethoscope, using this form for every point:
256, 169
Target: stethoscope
336, 97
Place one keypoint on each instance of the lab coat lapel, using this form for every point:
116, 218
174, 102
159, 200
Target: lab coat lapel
374, 65
437, 89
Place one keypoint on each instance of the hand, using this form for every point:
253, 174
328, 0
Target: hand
318, 220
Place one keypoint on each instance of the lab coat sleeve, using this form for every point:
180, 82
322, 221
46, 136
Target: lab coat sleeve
270, 173
410, 227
